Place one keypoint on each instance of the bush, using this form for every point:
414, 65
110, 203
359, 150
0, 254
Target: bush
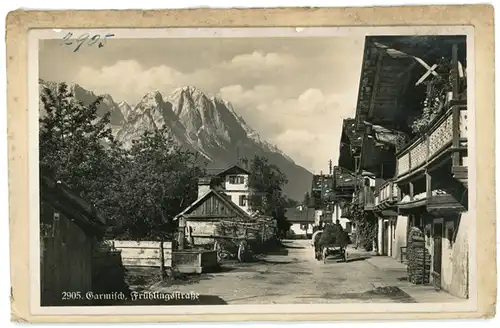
367, 231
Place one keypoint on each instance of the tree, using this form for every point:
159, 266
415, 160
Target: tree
139, 190
158, 181
73, 143
307, 200
266, 197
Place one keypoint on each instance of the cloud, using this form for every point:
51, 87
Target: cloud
128, 80
303, 125
261, 61
295, 100
258, 94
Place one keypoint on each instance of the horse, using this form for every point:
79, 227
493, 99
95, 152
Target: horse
315, 243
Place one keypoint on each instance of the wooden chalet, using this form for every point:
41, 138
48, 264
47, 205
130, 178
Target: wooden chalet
70, 228
422, 177
213, 206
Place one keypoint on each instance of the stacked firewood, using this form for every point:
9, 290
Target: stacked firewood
419, 259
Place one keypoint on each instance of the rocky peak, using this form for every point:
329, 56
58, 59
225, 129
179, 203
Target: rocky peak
87, 97
209, 126
153, 97
125, 109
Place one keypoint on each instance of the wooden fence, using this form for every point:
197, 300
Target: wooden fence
143, 253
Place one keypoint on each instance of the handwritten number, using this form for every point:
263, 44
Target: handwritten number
103, 42
94, 39
83, 38
67, 39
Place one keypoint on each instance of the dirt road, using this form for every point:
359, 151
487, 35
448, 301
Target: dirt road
292, 275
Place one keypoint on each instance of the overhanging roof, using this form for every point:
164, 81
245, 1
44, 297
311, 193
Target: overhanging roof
388, 69
422, 46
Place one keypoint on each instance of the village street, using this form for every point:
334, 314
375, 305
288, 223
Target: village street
292, 275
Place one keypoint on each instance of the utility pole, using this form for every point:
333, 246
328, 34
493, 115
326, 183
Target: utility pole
330, 166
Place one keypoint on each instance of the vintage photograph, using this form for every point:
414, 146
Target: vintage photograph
253, 170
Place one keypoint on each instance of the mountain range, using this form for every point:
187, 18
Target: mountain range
207, 125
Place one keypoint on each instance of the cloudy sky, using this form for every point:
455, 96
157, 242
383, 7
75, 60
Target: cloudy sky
293, 91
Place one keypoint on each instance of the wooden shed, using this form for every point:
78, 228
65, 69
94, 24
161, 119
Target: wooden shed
69, 230
201, 218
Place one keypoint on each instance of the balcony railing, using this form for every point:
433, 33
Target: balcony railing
447, 133
387, 193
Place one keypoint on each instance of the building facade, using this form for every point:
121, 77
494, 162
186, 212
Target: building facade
412, 119
234, 182
302, 220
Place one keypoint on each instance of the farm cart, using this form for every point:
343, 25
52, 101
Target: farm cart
241, 240
232, 248
334, 250
331, 242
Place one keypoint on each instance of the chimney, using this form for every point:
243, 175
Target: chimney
204, 185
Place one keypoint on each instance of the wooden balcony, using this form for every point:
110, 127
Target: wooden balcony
436, 202
386, 195
445, 139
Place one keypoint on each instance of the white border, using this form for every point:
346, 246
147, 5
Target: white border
33, 90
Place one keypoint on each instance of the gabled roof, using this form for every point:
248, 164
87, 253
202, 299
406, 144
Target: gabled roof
233, 169
220, 195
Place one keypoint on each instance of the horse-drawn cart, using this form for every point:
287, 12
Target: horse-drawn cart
335, 247
333, 251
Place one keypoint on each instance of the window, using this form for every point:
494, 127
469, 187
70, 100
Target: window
243, 200
235, 179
